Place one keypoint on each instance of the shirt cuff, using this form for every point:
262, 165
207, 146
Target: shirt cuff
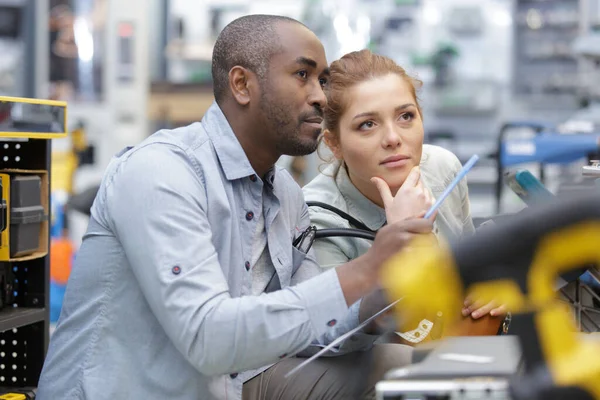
325, 302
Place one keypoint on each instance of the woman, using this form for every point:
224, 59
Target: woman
382, 172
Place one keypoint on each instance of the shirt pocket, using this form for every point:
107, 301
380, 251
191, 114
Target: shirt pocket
298, 258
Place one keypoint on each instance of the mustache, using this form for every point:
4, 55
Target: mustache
318, 113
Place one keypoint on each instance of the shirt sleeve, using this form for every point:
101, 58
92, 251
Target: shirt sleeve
157, 209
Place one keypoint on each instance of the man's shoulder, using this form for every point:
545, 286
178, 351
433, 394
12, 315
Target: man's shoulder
172, 154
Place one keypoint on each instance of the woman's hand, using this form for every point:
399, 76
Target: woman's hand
411, 201
477, 309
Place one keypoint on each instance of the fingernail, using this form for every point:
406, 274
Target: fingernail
475, 315
465, 312
493, 313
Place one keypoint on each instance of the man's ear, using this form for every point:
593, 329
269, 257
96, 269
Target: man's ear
333, 143
239, 84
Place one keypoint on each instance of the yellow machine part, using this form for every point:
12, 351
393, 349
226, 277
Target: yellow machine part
36, 135
4, 245
63, 167
13, 396
79, 139
429, 280
432, 267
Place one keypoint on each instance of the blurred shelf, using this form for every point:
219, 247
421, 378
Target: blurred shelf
179, 103
178, 50
16, 317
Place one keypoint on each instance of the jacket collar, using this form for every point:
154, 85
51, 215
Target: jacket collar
229, 151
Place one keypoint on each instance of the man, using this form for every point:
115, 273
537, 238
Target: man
191, 226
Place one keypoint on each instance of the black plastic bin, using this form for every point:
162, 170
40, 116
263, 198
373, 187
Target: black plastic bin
25, 225
25, 191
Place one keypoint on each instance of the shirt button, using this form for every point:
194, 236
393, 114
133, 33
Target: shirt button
249, 215
176, 270
233, 376
253, 178
332, 322
247, 264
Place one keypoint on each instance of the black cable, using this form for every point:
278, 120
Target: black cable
342, 214
344, 232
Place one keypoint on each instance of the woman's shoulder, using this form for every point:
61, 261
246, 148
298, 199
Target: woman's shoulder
439, 162
324, 189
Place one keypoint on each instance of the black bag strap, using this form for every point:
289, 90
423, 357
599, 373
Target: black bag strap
362, 231
342, 214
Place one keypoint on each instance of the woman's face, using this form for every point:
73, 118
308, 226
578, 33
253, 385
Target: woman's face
380, 133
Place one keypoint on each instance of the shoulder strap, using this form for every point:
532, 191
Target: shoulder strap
342, 214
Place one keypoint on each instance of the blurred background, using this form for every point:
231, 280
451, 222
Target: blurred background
492, 69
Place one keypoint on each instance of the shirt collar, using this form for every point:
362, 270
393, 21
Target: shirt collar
229, 151
359, 206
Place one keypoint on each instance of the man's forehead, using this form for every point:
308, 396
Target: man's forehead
298, 45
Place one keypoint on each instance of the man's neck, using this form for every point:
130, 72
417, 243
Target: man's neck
259, 151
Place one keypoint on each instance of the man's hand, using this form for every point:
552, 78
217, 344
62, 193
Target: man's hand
477, 309
361, 275
411, 201
396, 236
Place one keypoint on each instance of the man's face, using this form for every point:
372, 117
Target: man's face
292, 97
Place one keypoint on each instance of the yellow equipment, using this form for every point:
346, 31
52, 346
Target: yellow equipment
32, 118
515, 263
13, 396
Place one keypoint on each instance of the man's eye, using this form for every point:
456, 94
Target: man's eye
302, 74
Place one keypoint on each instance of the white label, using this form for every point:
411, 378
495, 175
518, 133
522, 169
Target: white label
521, 148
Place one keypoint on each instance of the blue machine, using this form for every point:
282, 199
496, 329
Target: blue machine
545, 147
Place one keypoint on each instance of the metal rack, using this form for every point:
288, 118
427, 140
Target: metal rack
24, 320
545, 69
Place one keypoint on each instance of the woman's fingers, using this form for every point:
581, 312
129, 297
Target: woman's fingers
384, 191
485, 310
413, 178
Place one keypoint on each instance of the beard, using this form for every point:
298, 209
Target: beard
280, 119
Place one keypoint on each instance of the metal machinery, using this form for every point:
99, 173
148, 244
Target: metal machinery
516, 263
26, 127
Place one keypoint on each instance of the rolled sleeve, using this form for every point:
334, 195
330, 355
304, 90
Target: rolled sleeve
157, 208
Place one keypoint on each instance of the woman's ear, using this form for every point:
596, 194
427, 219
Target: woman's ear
333, 143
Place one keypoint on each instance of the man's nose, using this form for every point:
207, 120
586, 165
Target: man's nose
317, 97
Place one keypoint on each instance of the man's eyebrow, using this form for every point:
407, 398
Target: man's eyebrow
306, 61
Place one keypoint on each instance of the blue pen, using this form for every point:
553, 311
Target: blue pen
465, 169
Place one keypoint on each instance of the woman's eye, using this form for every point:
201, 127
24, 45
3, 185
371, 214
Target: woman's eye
366, 125
407, 116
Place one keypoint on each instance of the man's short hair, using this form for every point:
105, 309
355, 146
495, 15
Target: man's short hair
249, 42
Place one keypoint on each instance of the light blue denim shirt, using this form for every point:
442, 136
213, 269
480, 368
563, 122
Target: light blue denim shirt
158, 304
